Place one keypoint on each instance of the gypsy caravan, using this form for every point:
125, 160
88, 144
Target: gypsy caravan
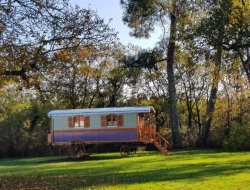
82, 127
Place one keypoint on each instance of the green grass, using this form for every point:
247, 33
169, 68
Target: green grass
193, 169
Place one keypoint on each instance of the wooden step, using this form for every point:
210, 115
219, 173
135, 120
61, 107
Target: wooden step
158, 140
162, 149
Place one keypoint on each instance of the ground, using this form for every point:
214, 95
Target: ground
184, 170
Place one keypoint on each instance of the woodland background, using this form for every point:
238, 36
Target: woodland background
197, 77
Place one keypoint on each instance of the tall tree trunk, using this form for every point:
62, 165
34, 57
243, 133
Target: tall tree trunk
245, 62
246, 66
213, 93
174, 119
198, 117
188, 102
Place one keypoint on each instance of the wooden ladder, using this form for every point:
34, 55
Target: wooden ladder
161, 143
148, 134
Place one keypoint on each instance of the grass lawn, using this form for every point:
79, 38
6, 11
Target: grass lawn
192, 169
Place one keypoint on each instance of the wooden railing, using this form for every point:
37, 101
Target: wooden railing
147, 133
159, 139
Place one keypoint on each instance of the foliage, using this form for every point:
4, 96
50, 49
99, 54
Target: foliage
23, 126
193, 169
141, 16
144, 59
78, 77
239, 135
45, 31
54, 56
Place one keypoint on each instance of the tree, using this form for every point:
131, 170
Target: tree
192, 84
142, 17
215, 23
72, 75
238, 32
23, 124
26, 33
219, 32
86, 77
34, 31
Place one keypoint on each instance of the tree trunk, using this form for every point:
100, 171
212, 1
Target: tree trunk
213, 93
246, 63
174, 119
188, 103
198, 117
246, 66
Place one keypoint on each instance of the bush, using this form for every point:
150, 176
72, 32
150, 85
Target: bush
216, 137
239, 135
189, 136
23, 129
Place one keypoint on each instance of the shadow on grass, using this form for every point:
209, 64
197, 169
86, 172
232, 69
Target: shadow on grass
48, 160
94, 157
185, 152
121, 173
98, 156
82, 159
78, 178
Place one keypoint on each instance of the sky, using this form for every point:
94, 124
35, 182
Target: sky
107, 9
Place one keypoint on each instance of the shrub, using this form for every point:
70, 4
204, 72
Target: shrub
216, 137
239, 135
23, 129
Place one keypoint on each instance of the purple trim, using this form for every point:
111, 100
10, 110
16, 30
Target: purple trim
96, 136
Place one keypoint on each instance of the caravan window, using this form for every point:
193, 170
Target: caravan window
111, 121
79, 121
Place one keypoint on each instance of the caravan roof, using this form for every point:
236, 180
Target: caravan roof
90, 111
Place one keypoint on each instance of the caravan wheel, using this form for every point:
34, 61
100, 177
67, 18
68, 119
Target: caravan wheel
125, 151
78, 148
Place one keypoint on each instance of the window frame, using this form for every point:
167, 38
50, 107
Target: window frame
79, 118
72, 123
116, 121
113, 118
